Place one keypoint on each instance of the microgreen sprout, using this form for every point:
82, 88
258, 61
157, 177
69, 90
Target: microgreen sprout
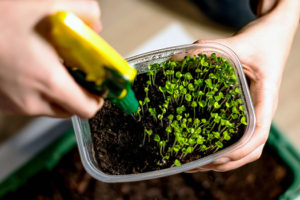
147, 132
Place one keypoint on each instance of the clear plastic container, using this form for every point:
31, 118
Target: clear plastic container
83, 133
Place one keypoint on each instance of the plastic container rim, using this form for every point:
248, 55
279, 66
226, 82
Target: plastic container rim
83, 133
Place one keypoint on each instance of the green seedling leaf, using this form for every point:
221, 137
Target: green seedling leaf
163, 109
217, 105
243, 121
223, 122
183, 91
192, 141
180, 109
191, 87
194, 104
183, 124
212, 76
170, 72
149, 132
178, 75
239, 101
174, 80
169, 129
196, 94
217, 119
210, 94
141, 102
185, 83
186, 115
234, 110
162, 89
200, 139
219, 144
198, 70
208, 83
227, 105
216, 135
180, 141
150, 73
179, 117
177, 162
214, 115
202, 103
234, 116
156, 138
211, 101
226, 135
162, 143
171, 117
203, 147
176, 148
189, 149
198, 131
160, 116
173, 64
191, 130
146, 100
176, 94
152, 112
198, 82
238, 91
241, 108
196, 122
188, 76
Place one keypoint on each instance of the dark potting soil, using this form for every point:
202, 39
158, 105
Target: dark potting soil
118, 138
266, 178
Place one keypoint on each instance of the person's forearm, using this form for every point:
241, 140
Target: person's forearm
283, 20
284, 6
277, 24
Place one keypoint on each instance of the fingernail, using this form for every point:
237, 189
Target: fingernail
221, 161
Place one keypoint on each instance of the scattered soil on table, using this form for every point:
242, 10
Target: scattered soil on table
264, 179
118, 138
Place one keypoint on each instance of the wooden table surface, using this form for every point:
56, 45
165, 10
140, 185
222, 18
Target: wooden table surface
129, 23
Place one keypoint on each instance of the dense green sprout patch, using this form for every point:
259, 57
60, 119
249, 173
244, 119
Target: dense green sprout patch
202, 106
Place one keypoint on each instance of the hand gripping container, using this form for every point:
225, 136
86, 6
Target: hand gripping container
140, 62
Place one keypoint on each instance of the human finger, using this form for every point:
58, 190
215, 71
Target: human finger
230, 165
87, 10
66, 93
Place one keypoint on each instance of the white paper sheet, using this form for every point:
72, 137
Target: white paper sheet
172, 35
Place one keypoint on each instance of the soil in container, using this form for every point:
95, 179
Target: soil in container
266, 178
185, 114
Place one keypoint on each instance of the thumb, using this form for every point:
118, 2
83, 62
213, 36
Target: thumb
230, 42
